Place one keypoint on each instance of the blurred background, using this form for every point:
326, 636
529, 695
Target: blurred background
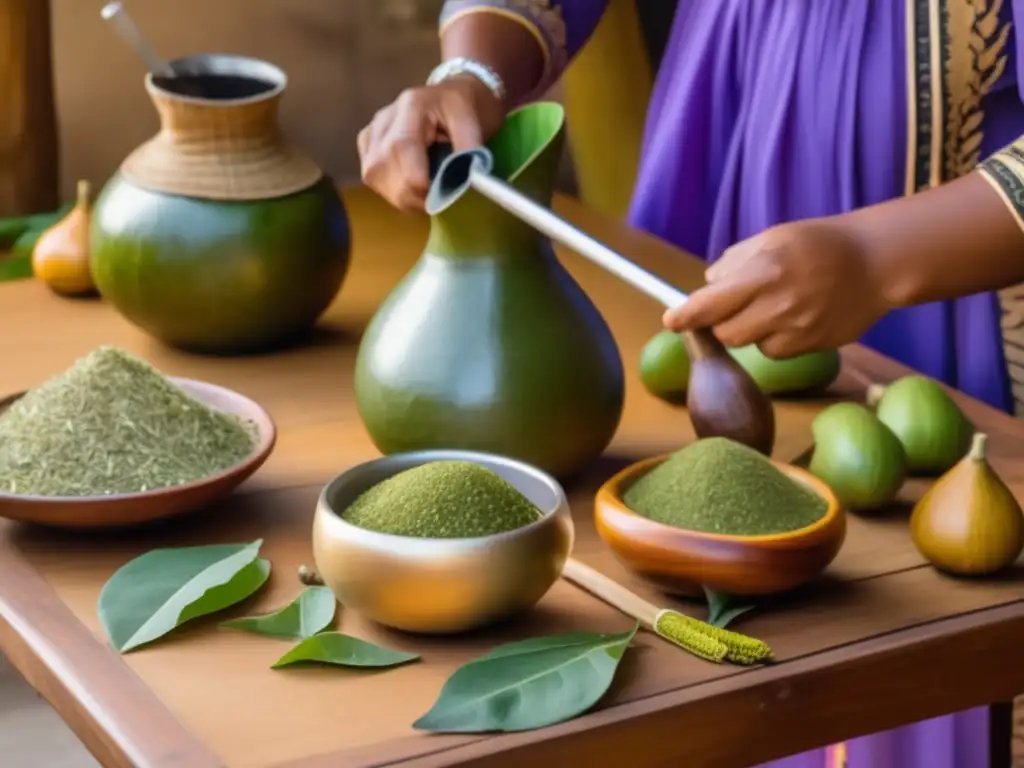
345, 59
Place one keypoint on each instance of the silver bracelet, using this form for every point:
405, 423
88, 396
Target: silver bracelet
463, 66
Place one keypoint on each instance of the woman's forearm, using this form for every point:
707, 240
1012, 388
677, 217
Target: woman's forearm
503, 44
954, 240
527, 44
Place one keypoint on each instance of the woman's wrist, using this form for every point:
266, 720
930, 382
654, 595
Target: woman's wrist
473, 70
878, 274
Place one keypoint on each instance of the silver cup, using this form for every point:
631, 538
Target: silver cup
441, 585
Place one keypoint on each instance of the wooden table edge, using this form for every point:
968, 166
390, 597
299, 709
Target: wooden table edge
109, 708
123, 723
965, 650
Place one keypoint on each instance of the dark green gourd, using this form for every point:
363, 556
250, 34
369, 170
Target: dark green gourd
488, 343
215, 235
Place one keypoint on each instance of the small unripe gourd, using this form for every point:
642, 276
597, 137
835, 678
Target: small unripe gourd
804, 374
665, 367
934, 432
969, 523
60, 258
857, 456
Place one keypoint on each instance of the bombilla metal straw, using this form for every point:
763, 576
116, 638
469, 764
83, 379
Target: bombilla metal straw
540, 218
118, 18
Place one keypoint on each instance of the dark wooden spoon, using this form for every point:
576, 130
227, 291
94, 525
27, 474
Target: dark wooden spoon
722, 398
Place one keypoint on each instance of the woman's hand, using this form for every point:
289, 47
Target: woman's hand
393, 147
794, 288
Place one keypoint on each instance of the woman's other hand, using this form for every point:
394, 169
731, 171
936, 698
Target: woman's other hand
393, 147
792, 289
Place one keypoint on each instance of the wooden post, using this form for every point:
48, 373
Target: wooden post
29, 163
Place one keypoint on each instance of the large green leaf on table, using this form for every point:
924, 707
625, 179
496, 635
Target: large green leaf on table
722, 609
529, 684
343, 651
312, 611
160, 590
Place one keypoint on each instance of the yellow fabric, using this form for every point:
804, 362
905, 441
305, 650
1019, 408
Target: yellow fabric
607, 89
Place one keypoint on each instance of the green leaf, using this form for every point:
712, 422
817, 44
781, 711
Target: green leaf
160, 590
530, 684
15, 267
14, 227
722, 610
343, 651
312, 611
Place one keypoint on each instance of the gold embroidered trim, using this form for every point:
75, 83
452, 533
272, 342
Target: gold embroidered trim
546, 14
924, 94
956, 51
1007, 184
1004, 171
975, 59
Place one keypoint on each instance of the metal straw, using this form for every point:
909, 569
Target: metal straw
540, 218
118, 18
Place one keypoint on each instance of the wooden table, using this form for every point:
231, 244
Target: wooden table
880, 641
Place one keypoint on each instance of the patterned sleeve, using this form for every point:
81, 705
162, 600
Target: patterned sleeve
1004, 170
561, 27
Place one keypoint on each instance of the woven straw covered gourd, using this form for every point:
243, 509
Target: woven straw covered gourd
221, 149
217, 235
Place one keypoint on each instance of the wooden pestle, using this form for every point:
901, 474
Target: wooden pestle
722, 398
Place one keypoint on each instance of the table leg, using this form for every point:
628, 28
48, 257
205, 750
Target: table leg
1000, 734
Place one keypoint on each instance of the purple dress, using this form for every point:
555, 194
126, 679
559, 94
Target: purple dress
767, 111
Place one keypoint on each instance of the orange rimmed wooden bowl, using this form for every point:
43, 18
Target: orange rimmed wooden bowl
126, 509
679, 561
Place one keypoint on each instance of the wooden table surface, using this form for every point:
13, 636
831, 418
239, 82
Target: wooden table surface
879, 641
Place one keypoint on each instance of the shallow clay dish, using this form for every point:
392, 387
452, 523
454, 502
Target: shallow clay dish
680, 561
124, 509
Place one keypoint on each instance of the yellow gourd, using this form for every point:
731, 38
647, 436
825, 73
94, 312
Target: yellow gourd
60, 258
969, 523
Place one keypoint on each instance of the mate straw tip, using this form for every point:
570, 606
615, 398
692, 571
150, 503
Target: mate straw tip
110, 10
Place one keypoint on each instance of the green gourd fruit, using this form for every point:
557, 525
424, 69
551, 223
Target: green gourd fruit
812, 372
858, 456
665, 367
934, 432
219, 277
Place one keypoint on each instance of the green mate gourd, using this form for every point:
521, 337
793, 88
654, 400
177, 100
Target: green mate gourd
488, 343
215, 235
